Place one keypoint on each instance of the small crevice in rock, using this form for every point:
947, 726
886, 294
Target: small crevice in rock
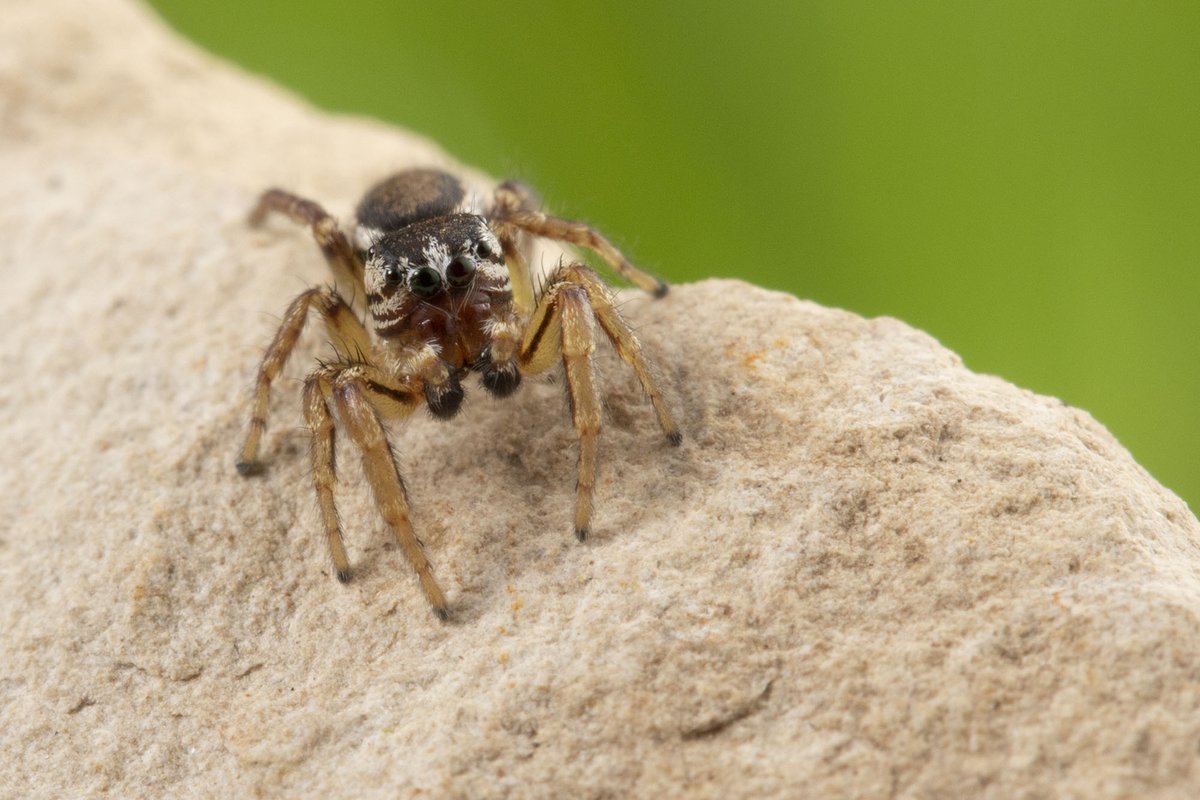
83, 703
249, 670
714, 726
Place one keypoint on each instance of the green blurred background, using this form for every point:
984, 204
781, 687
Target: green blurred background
1021, 178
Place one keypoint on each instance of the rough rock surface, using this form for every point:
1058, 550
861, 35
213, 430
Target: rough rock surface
868, 572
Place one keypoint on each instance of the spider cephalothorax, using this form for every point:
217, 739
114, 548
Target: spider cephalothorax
448, 293
439, 283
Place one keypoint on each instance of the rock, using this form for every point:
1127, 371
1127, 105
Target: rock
867, 572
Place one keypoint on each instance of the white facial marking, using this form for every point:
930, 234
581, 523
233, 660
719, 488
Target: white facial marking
437, 254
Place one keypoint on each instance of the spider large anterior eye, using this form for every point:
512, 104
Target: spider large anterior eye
425, 282
460, 271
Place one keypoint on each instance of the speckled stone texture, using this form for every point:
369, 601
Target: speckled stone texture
867, 572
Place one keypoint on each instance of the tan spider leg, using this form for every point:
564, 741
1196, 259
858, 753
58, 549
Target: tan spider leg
627, 345
342, 259
512, 197
361, 393
320, 424
519, 276
562, 326
578, 343
350, 339
543, 335
581, 235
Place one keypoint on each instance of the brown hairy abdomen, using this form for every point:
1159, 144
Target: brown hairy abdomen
407, 197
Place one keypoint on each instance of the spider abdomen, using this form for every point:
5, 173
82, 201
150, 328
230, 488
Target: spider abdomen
408, 197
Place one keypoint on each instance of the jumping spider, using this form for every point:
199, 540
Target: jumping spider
449, 292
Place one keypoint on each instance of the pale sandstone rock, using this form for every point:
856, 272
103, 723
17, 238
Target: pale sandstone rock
867, 572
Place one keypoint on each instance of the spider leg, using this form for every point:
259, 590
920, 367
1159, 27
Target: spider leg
513, 197
361, 393
578, 343
343, 260
563, 327
578, 234
626, 344
320, 425
349, 338
520, 278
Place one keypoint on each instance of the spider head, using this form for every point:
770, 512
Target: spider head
431, 258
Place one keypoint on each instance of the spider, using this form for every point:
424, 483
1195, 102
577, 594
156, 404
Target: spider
449, 292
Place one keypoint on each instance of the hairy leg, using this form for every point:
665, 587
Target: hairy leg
343, 261
361, 393
562, 327
516, 206
578, 344
581, 235
349, 338
512, 197
626, 343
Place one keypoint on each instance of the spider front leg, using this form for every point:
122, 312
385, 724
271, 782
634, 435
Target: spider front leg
361, 393
349, 337
563, 326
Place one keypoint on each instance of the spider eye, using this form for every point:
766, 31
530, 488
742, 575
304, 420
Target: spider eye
425, 282
483, 250
392, 275
371, 253
460, 271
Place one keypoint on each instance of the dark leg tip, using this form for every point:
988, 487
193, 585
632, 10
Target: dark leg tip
661, 290
442, 614
343, 575
444, 401
675, 438
248, 468
501, 381
581, 534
